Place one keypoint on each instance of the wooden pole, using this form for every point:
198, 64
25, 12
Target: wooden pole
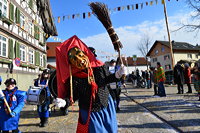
6, 103
170, 43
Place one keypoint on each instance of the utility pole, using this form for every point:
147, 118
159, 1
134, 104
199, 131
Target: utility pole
170, 43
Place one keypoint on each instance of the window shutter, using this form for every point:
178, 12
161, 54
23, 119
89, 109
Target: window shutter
11, 12
35, 31
10, 49
17, 15
37, 58
17, 52
30, 4
38, 33
44, 60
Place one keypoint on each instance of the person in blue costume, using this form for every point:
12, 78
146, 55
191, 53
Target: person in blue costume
43, 110
16, 100
118, 85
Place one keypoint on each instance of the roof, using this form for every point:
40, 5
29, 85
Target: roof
175, 46
51, 52
45, 13
141, 61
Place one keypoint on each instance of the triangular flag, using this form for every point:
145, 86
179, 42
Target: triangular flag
63, 18
68, 16
83, 15
78, 15
141, 5
151, 3
123, 7
156, 2
136, 6
73, 16
147, 3
89, 14
118, 8
58, 19
132, 7
128, 7
163, 1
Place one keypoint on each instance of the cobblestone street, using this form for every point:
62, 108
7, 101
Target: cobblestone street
140, 113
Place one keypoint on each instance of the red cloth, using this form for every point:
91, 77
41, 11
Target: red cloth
188, 76
62, 63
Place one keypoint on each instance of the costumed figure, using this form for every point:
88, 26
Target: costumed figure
188, 77
118, 85
179, 77
160, 76
12, 101
112, 90
80, 76
155, 83
43, 110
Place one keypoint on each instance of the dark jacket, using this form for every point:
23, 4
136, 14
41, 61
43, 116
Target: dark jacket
179, 74
82, 90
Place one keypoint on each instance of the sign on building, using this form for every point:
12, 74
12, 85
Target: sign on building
134, 57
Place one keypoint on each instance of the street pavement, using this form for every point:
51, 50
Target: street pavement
140, 112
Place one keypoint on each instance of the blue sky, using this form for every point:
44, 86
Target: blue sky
130, 25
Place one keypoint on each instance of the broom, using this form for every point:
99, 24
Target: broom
100, 10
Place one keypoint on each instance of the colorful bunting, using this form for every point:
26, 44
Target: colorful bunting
120, 8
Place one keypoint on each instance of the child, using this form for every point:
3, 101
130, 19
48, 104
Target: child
15, 99
43, 110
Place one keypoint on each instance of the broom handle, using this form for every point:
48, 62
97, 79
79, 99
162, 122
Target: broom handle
6, 103
120, 56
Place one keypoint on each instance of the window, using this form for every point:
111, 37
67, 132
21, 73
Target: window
22, 21
154, 59
41, 60
30, 29
3, 42
162, 49
3, 7
156, 52
31, 56
189, 56
166, 57
22, 50
167, 67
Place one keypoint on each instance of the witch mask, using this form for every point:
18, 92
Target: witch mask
78, 59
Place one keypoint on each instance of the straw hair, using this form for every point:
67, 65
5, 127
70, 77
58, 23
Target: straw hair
71, 85
100, 10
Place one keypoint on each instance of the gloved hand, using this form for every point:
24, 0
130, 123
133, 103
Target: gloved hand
59, 102
13, 114
120, 72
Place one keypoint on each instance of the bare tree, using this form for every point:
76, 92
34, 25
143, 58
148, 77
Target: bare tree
191, 27
143, 46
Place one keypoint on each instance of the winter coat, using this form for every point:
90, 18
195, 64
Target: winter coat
179, 74
16, 104
187, 76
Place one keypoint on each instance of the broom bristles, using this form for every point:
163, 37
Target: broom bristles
101, 12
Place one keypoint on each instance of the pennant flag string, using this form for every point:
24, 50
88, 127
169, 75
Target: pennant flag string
120, 8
